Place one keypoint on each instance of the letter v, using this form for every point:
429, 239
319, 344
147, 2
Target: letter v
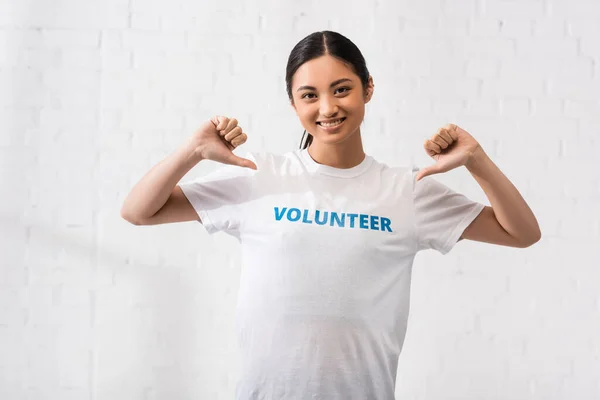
279, 215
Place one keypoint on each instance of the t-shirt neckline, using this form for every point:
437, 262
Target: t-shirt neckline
313, 166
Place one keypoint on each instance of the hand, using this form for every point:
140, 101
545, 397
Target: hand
216, 139
450, 147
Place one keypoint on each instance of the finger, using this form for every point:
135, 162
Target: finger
240, 162
452, 131
446, 136
233, 133
220, 122
230, 125
215, 121
432, 147
442, 133
239, 140
426, 172
439, 140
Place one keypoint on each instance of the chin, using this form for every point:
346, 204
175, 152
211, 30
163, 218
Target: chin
334, 137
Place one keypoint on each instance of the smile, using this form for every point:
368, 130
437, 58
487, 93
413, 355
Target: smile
331, 125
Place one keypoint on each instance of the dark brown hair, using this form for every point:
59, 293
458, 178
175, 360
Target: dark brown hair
322, 43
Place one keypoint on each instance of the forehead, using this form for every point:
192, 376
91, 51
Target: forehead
321, 72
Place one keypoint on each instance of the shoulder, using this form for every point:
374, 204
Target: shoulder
268, 157
272, 163
407, 173
402, 172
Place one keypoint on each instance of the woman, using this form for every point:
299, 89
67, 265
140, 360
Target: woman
328, 233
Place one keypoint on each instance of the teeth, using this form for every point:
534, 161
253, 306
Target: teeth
334, 123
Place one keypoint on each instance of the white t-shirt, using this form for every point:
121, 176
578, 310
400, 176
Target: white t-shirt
326, 268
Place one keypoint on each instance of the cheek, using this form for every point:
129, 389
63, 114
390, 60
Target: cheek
307, 118
307, 114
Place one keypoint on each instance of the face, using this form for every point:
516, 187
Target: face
325, 89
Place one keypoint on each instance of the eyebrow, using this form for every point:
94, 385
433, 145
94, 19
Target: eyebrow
332, 84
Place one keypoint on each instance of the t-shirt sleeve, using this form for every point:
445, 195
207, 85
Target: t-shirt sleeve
441, 214
220, 197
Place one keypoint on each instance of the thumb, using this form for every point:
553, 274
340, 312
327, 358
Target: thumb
240, 162
432, 169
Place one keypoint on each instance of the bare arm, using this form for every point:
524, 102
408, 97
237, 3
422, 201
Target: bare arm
156, 199
510, 221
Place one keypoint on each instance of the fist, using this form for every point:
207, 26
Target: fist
216, 139
450, 147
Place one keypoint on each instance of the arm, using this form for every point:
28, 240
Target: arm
155, 198
509, 221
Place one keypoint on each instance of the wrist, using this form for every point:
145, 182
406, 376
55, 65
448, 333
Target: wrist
477, 160
190, 153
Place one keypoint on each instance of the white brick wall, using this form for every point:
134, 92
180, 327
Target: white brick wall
93, 93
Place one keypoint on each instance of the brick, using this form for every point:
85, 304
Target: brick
484, 27
489, 48
482, 68
514, 9
546, 48
515, 86
582, 9
467, 8
142, 21
516, 27
550, 27
61, 38
137, 39
515, 106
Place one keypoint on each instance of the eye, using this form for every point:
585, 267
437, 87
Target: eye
308, 94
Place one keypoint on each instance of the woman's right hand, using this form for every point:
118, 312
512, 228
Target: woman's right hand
216, 139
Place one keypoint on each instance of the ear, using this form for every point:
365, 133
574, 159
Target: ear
370, 89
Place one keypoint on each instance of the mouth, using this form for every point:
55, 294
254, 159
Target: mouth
330, 126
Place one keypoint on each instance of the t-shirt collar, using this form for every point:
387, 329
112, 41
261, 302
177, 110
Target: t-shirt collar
313, 166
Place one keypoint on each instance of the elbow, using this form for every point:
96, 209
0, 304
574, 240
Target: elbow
129, 218
531, 240
133, 222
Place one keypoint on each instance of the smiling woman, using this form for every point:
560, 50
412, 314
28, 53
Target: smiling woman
327, 80
328, 233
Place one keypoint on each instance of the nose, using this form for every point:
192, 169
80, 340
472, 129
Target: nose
328, 107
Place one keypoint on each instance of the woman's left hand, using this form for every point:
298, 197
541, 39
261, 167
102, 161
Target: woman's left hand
450, 147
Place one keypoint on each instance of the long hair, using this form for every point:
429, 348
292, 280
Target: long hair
318, 44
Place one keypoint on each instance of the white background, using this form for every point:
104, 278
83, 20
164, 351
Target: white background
94, 93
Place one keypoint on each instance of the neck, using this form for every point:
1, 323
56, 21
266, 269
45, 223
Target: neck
346, 154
